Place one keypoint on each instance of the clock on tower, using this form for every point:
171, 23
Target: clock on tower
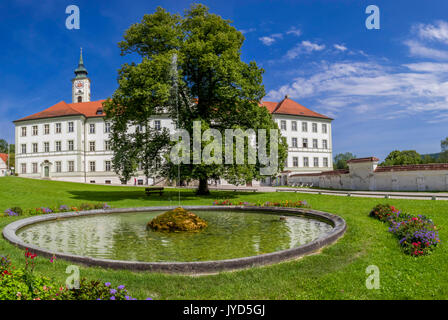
81, 83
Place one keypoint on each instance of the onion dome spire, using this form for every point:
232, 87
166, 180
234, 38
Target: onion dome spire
81, 71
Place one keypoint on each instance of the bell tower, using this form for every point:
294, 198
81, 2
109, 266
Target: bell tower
80, 83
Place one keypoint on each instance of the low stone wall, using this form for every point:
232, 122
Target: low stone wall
202, 267
365, 174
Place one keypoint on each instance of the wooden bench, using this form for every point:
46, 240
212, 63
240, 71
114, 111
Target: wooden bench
244, 190
150, 190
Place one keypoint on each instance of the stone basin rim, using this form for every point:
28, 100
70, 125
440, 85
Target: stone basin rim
195, 268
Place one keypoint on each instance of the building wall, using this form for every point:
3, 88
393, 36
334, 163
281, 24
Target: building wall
310, 151
3, 168
83, 157
366, 176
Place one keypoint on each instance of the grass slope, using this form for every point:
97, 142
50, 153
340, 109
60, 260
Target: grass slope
338, 272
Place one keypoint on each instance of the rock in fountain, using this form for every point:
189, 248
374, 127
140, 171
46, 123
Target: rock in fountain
177, 220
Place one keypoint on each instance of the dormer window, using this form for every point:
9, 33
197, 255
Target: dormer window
99, 111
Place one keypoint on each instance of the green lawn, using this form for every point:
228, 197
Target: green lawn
338, 272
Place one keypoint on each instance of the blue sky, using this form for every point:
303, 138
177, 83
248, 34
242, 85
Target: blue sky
386, 89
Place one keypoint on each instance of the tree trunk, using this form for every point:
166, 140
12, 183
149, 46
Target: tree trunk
203, 187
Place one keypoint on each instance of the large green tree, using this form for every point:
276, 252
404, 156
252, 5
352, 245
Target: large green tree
190, 69
397, 157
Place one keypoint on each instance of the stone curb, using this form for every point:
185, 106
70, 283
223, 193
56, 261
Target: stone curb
201, 267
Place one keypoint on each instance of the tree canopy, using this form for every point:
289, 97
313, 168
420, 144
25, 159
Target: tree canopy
405, 157
190, 70
340, 160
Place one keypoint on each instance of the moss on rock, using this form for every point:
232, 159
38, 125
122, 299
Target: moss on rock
176, 220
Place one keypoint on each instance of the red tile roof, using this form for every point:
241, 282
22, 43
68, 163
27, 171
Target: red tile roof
89, 109
368, 159
4, 157
290, 107
61, 109
413, 167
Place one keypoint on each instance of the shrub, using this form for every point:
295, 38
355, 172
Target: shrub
418, 235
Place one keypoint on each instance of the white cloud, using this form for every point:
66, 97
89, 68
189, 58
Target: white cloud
304, 47
340, 47
427, 67
294, 31
420, 50
245, 31
437, 31
268, 40
370, 89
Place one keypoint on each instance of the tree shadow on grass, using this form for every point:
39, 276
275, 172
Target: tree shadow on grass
185, 195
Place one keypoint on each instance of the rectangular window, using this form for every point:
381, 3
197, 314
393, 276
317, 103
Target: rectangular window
35, 167
295, 161
71, 166
305, 143
92, 166
286, 162
107, 166
316, 162
138, 128
325, 162
107, 145
92, 145
305, 162
283, 124
294, 142
314, 127
46, 146
157, 125
294, 125
23, 131
71, 127
324, 144
58, 166
58, 146
304, 126
324, 128
71, 145
92, 128
107, 127
35, 148
23, 148
46, 129
58, 128
35, 131
23, 167
315, 144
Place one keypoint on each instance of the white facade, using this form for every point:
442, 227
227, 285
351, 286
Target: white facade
74, 146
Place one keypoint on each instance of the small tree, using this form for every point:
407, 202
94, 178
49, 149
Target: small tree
340, 160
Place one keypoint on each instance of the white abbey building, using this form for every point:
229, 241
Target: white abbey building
70, 141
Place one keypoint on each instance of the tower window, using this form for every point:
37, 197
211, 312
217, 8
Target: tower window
79, 99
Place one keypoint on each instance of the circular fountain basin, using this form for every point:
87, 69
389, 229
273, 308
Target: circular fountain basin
236, 238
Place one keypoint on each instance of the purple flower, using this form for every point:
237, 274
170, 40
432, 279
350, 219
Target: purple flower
148, 299
107, 284
127, 297
113, 291
120, 287
112, 298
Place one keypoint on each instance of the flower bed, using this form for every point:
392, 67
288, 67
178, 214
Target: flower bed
284, 204
418, 235
24, 284
17, 211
